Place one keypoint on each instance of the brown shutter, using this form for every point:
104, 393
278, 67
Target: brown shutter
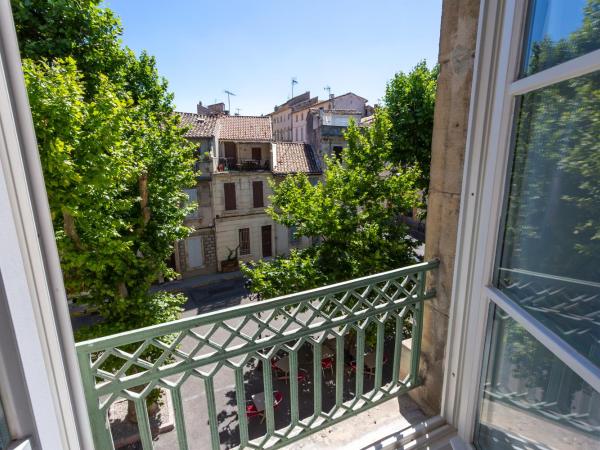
231, 154
257, 194
266, 241
229, 196
256, 153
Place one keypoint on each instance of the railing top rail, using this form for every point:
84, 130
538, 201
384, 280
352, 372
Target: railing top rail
127, 337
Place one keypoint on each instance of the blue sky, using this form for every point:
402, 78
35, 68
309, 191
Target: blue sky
254, 47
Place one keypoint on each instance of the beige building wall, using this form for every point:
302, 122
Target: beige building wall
227, 236
202, 222
456, 59
229, 222
243, 192
281, 122
347, 102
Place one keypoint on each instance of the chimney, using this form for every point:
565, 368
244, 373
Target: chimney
217, 108
200, 109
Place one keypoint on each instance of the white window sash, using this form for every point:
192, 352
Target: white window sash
492, 107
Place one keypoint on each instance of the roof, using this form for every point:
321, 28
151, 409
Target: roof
292, 101
200, 126
305, 104
295, 157
245, 128
367, 121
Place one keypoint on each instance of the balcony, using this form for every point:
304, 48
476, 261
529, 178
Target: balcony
322, 356
243, 165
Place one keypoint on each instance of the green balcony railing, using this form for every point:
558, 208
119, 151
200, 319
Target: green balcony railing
323, 355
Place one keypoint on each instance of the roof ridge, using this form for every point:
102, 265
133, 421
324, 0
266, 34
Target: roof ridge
241, 116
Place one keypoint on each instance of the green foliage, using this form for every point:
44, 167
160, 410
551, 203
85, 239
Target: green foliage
114, 159
285, 275
352, 215
410, 102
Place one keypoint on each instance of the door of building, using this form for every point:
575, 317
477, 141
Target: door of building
231, 154
256, 154
267, 248
530, 352
195, 252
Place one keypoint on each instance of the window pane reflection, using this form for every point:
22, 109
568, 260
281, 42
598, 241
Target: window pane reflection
560, 30
550, 252
531, 400
4, 435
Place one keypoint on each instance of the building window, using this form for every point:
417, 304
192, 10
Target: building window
192, 201
267, 249
302, 134
229, 189
294, 239
244, 236
256, 153
257, 194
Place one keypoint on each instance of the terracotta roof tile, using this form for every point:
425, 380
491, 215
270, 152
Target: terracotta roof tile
200, 126
295, 157
245, 128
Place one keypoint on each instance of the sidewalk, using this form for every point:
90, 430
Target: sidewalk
194, 282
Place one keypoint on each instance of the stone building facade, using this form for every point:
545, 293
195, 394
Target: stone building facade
281, 117
238, 158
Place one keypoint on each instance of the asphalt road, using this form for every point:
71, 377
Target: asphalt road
220, 295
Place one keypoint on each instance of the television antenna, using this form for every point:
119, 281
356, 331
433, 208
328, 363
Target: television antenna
328, 89
229, 93
294, 81
237, 111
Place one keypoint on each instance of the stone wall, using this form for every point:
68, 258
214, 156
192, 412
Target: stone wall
456, 57
209, 250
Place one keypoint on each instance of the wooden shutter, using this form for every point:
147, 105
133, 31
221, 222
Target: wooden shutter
231, 154
256, 153
229, 196
266, 241
257, 194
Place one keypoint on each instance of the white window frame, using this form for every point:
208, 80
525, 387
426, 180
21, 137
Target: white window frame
492, 109
33, 293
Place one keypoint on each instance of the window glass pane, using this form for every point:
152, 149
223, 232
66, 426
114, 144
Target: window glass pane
4, 435
550, 248
192, 201
531, 400
559, 30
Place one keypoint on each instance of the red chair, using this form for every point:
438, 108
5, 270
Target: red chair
253, 411
367, 370
302, 375
327, 364
277, 398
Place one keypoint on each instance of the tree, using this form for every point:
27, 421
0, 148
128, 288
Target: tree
352, 214
410, 101
114, 159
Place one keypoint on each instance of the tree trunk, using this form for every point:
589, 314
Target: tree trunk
132, 414
70, 229
143, 187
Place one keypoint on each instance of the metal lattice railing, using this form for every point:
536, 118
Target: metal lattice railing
357, 326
